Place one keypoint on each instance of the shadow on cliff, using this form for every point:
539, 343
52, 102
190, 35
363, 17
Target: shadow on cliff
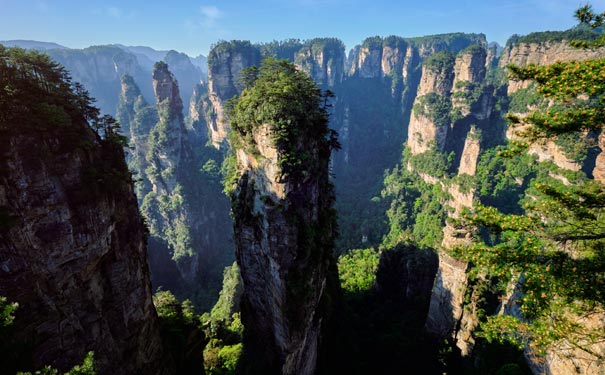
381, 331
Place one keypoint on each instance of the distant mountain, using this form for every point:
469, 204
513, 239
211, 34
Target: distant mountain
32, 44
99, 68
201, 62
148, 56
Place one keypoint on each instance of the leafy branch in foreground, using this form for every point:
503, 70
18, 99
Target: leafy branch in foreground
554, 251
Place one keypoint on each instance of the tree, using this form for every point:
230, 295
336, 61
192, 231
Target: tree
555, 249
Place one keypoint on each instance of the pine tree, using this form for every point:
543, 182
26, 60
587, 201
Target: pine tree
555, 250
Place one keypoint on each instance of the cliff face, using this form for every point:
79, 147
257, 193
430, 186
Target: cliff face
187, 74
100, 69
451, 96
169, 205
225, 63
72, 253
178, 189
542, 53
323, 60
284, 229
430, 119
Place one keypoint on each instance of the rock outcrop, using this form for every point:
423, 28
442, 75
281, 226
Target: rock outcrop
72, 241
284, 231
430, 121
225, 64
186, 74
178, 189
542, 53
100, 69
324, 61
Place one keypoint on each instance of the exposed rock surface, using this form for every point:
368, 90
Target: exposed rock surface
424, 130
186, 210
100, 69
226, 62
447, 300
323, 60
284, 232
74, 256
187, 74
470, 154
544, 53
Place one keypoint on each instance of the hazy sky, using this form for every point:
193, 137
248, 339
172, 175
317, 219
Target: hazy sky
192, 26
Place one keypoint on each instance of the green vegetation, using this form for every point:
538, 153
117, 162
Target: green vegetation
9, 356
525, 100
219, 49
452, 40
379, 326
554, 246
180, 331
436, 107
357, 270
502, 181
579, 33
287, 99
285, 49
223, 327
441, 62
417, 210
86, 368
372, 43
374, 143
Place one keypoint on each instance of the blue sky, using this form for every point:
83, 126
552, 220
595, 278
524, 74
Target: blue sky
192, 26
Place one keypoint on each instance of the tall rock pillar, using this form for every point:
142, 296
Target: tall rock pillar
284, 221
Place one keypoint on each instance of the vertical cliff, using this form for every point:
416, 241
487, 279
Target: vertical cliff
185, 209
323, 59
284, 221
534, 49
72, 242
99, 69
187, 74
226, 61
430, 121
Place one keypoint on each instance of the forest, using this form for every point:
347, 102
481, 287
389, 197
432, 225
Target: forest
422, 205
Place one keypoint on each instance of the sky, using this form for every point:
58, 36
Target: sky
192, 26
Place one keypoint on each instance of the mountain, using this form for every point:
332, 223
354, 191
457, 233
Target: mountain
32, 44
99, 68
73, 242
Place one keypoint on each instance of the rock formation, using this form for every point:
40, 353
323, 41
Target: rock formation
72, 241
186, 74
100, 69
323, 60
284, 226
225, 64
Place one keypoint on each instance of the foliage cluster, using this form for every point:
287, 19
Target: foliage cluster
417, 210
441, 62
579, 33
357, 270
180, 331
554, 248
437, 108
223, 326
223, 48
279, 95
526, 99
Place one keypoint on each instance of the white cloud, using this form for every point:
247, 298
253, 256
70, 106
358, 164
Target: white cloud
210, 15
